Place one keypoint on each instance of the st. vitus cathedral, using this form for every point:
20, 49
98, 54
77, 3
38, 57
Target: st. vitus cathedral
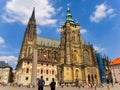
75, 61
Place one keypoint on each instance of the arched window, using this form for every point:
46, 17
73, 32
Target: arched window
77, 73
29, 50
88, 78
75, 55
86, 56
95, 76
48, 53
73, 35
92, 78
31, 34
55, 55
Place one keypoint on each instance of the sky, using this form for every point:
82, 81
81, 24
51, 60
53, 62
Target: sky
99, 22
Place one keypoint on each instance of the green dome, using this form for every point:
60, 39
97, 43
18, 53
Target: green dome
69, 17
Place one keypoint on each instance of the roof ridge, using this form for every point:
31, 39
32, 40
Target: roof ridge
48, 38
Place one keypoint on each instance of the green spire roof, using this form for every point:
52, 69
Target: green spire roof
77, 23
69, 16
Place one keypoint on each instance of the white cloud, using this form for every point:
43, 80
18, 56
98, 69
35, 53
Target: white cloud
2, 40
99, 49
59, 9
10, 59
17, 10
113, 15
38, 31
58, 30
83, 31
102, 11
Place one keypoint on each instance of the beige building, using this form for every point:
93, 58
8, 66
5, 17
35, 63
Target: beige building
115, 69
5, 72
76, 60
45, 68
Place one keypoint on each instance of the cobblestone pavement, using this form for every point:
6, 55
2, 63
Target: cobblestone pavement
116, 87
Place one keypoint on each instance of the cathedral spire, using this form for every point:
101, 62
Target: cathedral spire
69, 16
33, 14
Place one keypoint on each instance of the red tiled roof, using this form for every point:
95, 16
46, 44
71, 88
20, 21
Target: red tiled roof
116, 61
41, 58
107, 72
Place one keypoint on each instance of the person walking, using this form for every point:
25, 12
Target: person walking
53, 84
41, 83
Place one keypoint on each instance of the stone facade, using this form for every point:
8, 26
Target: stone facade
5, 73
76, 61
45, 68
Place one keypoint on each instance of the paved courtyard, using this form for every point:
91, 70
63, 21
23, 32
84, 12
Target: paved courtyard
116, 87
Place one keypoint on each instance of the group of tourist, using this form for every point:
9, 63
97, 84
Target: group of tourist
41, 84
52, 85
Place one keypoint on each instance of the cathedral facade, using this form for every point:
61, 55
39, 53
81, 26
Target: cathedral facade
74, 60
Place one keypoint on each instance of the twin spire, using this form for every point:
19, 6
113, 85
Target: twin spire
33, 14
69, 17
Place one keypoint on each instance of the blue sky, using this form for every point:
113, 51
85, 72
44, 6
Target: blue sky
99, 22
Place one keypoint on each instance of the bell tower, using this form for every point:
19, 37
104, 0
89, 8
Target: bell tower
70, 49
29, 40
70, 41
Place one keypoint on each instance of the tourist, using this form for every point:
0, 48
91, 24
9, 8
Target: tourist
41, 83
53, 84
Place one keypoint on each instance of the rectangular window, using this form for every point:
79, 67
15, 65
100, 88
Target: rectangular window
41, 64
28, 62
46, 64
41, 71
26, 78
46, 79
46, 71
52, 72
27, 71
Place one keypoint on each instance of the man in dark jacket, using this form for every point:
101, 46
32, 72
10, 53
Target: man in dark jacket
41, 83
52, 84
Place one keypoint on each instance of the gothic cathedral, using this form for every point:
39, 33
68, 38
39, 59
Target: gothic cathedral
76, 61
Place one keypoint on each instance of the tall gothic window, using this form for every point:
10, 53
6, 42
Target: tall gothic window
86, 56
77, 74
88, 78
55, 55
73, 35
41, 51
31, 34
75, 55
29, 50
